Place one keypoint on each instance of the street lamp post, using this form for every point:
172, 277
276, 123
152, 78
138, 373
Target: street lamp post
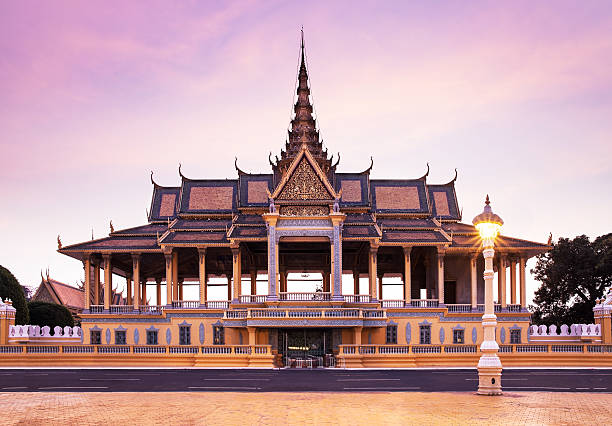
489, 365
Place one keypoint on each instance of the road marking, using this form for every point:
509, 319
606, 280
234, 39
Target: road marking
15, 387
600, 388
364, 380
73, 387
223, 380
106, 380
534, 387
135, 373
384, 388
583, 388
6, 374
503, 379
224, 387
38, 374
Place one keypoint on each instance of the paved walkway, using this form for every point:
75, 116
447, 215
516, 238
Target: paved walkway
304, 408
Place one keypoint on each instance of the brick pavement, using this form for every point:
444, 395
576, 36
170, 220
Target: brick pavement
316, 408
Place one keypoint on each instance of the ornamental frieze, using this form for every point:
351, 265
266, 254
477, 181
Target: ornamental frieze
304, 210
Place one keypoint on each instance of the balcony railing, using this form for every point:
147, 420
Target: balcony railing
96, 309
305, 297
121, 309
71, 350
424, 303
459, 308
313, 313
253, 298
357, 298
393, 303
151, 309
186, 304
217, 304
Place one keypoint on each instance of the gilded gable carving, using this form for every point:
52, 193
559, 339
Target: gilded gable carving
304, 184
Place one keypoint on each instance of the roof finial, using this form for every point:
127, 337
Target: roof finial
112, 228
302, 45
487, 202
59, 242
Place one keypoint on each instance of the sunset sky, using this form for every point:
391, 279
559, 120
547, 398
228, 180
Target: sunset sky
94, 95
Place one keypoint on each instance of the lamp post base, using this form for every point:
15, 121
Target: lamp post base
489, 375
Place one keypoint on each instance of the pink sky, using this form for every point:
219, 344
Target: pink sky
518, 97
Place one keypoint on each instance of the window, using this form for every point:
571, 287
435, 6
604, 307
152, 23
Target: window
151, 337
184, 335
425, 335
515, 336
119, 337
95, 337
392, 334
458, 336
218, 335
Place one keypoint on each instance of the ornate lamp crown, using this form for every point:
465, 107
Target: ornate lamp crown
488, 223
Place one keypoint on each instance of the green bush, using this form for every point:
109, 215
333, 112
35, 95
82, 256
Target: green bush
51, 314
11, 289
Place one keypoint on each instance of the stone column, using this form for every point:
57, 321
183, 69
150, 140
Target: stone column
513, 281
96, 276
372, 271
158, 288
380, 285
441, 275
108, 280
128, 287
474, 279
181, 281
283, 280
143, 301
325, 274
87, 267
168, 258
271, 219
237, 271
407, 275
522, 278
202, 274
357, 338
175, 295
355, 282
253, 282
336, 258
252, 336
501, 280
229, 287
136, 275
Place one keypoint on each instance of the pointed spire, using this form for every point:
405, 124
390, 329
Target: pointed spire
303, 129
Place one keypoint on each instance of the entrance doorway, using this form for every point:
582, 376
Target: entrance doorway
305, 347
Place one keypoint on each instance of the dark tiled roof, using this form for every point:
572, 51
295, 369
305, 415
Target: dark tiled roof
406, 223
474, 241
208, 196
354, 188
359, 232
115, 243
458, 228
249, 232
358, 218
195, 237
253, 190
249, 219
413, 237
164, 203
201, 224
399, 196
444, 201
150, 229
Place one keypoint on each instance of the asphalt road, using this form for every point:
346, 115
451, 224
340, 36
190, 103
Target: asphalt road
292, 380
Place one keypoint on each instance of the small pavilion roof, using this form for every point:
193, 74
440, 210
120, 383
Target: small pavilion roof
414, 237
195, 238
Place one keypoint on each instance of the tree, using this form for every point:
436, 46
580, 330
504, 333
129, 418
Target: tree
574, 274
51, 314
11, 289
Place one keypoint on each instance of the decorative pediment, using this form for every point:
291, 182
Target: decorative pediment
304, 181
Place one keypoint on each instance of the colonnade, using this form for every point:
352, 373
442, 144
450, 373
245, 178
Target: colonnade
174, 291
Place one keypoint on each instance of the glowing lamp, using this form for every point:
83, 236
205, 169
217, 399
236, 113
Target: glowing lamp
488, 224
